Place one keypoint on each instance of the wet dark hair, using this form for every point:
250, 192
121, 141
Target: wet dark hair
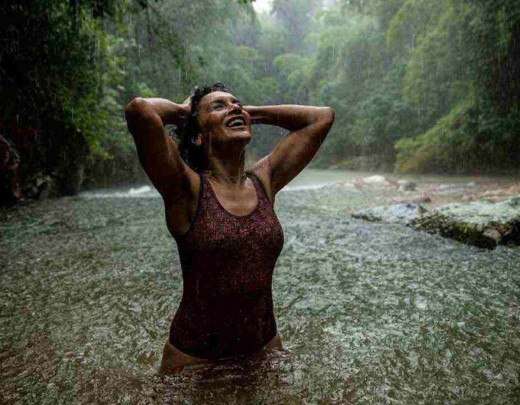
193, 154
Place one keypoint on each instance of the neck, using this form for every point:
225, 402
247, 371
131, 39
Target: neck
230, 170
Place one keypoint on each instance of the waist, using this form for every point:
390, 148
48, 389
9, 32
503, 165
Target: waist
217, 332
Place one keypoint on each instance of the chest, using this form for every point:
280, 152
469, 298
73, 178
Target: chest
219, 234
236, 203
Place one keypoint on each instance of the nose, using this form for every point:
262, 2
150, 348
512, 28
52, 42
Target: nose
235, 108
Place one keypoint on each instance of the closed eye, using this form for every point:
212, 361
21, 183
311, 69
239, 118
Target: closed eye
217, 106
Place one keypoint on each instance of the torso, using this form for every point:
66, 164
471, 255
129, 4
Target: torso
180, 212
227, 255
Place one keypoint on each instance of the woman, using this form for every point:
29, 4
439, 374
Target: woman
221, 216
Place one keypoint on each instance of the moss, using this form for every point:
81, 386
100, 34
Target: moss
470, 234
480, 224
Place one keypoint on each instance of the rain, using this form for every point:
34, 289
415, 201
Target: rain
399, 277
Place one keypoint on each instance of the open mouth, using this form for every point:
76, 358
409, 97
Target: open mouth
236, 122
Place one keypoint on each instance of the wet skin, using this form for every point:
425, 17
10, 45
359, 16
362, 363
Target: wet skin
217, 111
174, 360
225, 130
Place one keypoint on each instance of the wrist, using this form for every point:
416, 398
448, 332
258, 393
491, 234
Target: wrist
175, 114
255, 113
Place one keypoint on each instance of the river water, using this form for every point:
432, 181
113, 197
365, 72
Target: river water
368, 313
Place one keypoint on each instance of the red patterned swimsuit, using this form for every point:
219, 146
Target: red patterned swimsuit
227, 266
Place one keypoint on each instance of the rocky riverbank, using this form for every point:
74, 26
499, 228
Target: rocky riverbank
476, 214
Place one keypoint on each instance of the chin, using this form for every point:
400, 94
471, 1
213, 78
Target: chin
243, 134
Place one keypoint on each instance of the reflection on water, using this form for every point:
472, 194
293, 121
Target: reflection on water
368, 312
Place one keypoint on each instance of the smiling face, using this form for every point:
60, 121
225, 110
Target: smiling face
222, 119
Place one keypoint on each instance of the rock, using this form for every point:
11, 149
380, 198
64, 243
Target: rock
358, 183
406, 185
393, 214
47, 188
514, 189
492, 234
376, 179
419, 199
513, 202
10, 191
450, 189
468, 197
483, 224
40, 186
45, 192
494, 193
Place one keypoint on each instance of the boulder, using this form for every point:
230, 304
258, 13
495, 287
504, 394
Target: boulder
423, 198
394, 214
483, 224
406, 185
375, 179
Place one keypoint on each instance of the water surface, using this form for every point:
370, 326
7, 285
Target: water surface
369, 313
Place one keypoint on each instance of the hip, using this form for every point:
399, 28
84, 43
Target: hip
223, 331
175, 360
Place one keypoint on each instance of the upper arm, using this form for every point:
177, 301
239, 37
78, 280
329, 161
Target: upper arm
296, 150
158, 152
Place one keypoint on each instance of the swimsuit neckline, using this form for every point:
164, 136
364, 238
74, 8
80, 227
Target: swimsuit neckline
230, 213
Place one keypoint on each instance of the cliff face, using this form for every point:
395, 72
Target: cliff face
9, 172
37, 163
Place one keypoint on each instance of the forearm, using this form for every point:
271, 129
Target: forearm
290, 117
169, 112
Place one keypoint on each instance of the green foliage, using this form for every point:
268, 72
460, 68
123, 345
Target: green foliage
456, 76
360, 81
469, 52
468, 139
430, 152
59, 78
438, 82
439, 66
411, 19
295, 18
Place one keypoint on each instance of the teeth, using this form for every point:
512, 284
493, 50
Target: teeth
234, 121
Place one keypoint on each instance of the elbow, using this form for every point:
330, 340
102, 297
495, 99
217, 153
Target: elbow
330, 114
327, 116
134, 108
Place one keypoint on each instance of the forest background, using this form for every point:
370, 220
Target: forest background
419, 86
